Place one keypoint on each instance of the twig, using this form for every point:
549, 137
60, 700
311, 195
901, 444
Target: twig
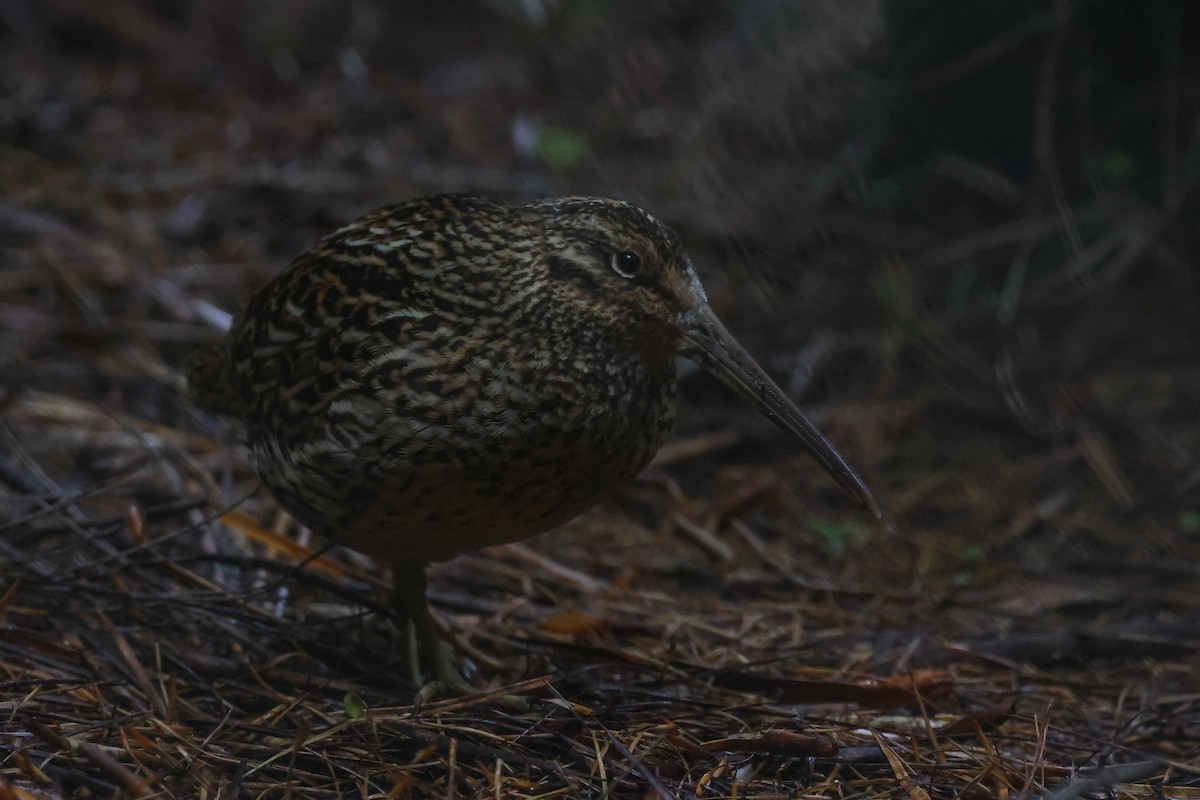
705, 539
130, 783
1102, 780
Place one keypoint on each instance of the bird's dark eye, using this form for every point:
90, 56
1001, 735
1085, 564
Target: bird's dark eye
627, 264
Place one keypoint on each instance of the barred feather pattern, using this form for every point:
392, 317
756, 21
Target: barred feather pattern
452, 372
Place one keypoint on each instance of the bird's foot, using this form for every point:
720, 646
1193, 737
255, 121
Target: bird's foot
429, 644
443, 690
448, 683
447, 680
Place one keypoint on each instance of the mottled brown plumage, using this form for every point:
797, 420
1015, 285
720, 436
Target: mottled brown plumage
452, 373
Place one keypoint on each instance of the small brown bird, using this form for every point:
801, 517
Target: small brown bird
451, 373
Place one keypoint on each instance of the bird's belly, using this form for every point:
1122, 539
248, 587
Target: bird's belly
440, 515
435, 505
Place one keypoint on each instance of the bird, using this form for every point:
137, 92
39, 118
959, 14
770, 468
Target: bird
454, 372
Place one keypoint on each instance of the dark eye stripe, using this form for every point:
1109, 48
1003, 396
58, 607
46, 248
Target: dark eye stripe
565, 269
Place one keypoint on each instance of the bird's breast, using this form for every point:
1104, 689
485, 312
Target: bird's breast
477, 447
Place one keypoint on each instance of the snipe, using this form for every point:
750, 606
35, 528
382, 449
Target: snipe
452, 373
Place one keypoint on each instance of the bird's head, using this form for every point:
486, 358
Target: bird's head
617, 267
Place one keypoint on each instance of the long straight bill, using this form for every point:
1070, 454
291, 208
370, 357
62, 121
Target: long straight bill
718, 352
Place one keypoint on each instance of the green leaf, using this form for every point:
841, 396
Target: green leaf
353, 705
972, 552
837, 533
561, 148
1118, 166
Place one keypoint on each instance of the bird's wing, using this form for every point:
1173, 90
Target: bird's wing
364, 296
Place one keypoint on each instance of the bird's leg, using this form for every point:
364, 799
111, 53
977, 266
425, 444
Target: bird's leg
412, 656
426, 646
